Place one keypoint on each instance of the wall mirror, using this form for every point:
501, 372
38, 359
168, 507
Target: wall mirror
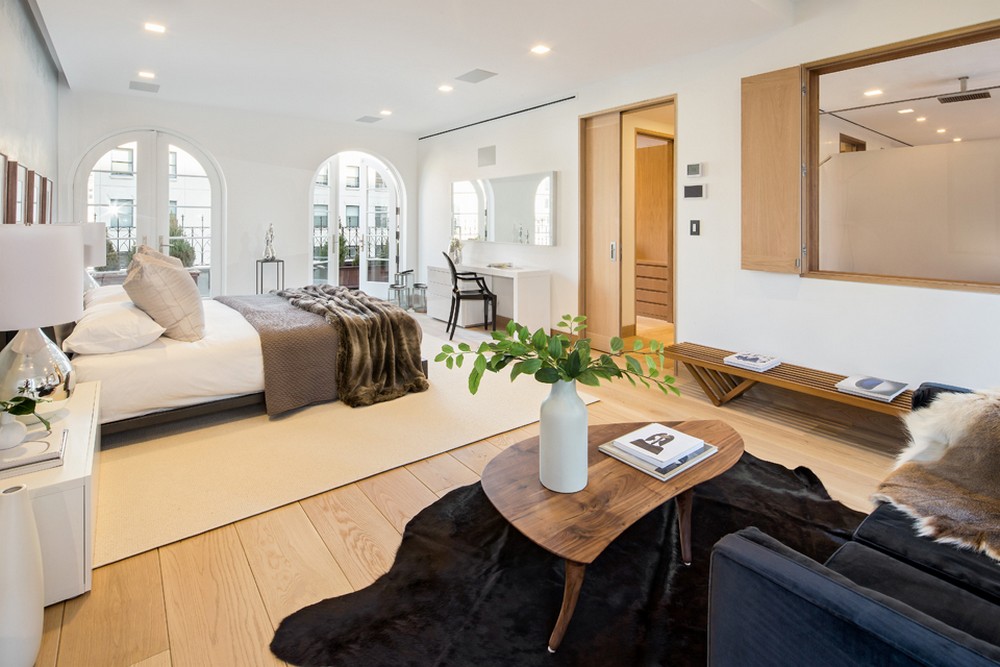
905, 153
513, 209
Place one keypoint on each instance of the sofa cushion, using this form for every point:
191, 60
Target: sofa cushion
935, 597
769, 605
891, 531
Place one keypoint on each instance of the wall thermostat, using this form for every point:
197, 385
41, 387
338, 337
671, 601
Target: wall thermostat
695, 191
694, 170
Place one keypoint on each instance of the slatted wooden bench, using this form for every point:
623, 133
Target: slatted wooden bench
722, 383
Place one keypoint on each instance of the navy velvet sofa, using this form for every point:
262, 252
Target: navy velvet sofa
887, 597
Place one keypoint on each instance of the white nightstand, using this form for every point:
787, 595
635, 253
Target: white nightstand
65, 498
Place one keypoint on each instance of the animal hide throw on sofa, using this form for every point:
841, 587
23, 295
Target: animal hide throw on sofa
948, 477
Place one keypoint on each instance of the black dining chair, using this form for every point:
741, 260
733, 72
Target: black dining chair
458, 294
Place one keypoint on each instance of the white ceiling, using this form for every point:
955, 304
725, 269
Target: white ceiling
924, 76
340, 61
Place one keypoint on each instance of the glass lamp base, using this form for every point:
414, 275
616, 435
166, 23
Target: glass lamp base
32, 365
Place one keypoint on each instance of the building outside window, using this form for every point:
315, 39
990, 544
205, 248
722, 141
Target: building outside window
172, 165
122, 212
353, 176
122, 162
323, 177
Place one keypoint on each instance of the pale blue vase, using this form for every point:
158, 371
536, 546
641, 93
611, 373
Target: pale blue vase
562, 445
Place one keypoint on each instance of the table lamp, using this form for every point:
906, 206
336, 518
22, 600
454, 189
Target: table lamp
41, 280
95, 250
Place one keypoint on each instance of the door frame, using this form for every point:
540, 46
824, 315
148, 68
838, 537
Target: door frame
600, 342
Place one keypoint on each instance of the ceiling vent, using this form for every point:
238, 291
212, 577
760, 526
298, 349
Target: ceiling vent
963, 95
144, 87
369, 119
476, 75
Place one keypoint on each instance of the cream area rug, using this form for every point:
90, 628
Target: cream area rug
159, 486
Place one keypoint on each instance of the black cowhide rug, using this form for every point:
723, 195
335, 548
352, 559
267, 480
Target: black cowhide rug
469, 590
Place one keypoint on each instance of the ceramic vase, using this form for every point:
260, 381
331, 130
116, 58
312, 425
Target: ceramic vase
562, 445
23, 598
11, 431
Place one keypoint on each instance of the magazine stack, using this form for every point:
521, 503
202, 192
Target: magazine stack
752, 361
658, 450
40, 450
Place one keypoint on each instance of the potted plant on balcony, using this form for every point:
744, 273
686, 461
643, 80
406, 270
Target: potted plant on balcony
561, 362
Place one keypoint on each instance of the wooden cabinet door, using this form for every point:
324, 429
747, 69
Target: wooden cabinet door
772, 171
600, 245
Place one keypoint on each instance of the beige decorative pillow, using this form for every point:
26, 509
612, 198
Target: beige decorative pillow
166, 292
156, 254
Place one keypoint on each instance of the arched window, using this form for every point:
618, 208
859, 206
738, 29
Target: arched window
543, 213
154, 188
355, 223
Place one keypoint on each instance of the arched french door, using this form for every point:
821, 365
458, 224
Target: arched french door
355, 226
154, 188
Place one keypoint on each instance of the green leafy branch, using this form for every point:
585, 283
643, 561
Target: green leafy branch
553, 358
20, 406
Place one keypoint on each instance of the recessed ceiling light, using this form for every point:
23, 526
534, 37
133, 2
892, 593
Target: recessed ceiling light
147, 75
873, 92
921, 119
957, 139
155, 27
385, 112
905, 111
941, 130
445, 88
540, 49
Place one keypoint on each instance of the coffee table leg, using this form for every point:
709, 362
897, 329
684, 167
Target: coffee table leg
684, 503
571, 592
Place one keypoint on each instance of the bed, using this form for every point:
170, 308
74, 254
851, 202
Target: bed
147, 377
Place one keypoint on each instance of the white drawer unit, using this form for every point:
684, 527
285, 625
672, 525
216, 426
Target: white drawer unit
64, 498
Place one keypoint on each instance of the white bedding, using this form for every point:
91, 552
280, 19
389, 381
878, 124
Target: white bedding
169, 374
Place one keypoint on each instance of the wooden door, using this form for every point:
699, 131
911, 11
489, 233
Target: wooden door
600, 246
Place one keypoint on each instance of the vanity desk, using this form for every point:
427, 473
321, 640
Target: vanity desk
523, 295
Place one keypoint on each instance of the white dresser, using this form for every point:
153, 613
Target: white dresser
65, 498
523, 295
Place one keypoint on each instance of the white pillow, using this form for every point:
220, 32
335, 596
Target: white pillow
168, 294
104, 294
112, 327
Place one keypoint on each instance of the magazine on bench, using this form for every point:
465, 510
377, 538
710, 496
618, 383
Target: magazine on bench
867, 386
751, 361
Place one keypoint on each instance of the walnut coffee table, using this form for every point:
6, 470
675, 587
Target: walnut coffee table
579, 526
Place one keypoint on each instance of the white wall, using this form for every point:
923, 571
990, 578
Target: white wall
906, 333
28, 93
925, 211
268, 164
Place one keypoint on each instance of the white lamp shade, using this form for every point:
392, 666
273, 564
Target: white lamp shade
41, 275
95, 243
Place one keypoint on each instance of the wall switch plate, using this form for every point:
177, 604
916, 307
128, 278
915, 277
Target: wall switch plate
694, 170
695, 228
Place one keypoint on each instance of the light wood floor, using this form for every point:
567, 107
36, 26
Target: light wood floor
215, 599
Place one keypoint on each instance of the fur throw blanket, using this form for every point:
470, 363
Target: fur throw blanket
379, 354
948, 477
